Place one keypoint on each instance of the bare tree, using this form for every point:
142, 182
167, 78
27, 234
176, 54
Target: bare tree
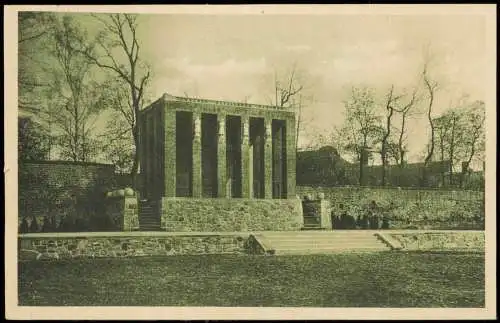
361, 129
474, 142
391, 100
431, 87
298, 122
450, 134
117, 50
117, 141
406, 110
35, 33
285, 91
442, 132
289, 95
76, 99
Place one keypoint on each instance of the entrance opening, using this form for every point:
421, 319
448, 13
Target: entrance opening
279, 159
257, 133
209, 154
233, 155
184, 155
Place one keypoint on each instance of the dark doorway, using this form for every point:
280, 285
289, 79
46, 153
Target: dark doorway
257, 133
279, 159
233, 155
209, 154
184, 155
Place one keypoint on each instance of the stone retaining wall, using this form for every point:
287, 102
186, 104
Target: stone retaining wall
62, 195
212, 215
441, 241
409, 208
78, 245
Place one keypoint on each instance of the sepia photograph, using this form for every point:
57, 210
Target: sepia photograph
261, 161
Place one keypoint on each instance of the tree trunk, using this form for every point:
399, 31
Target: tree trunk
452, 150
384, 162
430, 152
135, 163
361, 166
400, 140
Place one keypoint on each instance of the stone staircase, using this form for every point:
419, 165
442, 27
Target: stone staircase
149, 215
318, 242
312, 223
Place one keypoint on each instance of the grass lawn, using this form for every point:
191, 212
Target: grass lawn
388, 279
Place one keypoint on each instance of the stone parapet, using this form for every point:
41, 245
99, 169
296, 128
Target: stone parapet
115, 244
441, 241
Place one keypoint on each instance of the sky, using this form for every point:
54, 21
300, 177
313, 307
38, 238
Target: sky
236, 57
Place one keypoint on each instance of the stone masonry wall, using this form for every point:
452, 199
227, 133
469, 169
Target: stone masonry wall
77, 245
409, 208
442, 241
209, 215
69, 193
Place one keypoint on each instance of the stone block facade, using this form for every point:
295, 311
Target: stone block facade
219, 215
206, 148
219, 165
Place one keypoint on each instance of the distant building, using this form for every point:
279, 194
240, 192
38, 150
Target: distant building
326, 167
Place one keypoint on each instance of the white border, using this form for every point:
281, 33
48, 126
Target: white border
206, 313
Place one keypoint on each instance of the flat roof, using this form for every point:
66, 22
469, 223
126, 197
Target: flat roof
166, 97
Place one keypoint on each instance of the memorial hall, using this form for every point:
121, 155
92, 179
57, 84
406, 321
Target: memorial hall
214, 165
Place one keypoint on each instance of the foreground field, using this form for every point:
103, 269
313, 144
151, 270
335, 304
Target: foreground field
344, 280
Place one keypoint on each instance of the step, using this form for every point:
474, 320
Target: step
322, 238
326, 251
319, 241
149, 226
327, 248
150, 222
320, 234
322, 243
277, 244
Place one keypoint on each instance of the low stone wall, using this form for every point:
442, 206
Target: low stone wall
118, 244
440, 241
409, 208
211, 215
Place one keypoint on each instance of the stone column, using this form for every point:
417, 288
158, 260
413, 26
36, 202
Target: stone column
221, 157
291, 153
197, 181
170, 156
268, 159
245, 160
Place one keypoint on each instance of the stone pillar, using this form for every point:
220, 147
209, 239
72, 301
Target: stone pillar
245, 158
130, 214
197, 180
170, 155
221, 157
268, 159
291, 153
